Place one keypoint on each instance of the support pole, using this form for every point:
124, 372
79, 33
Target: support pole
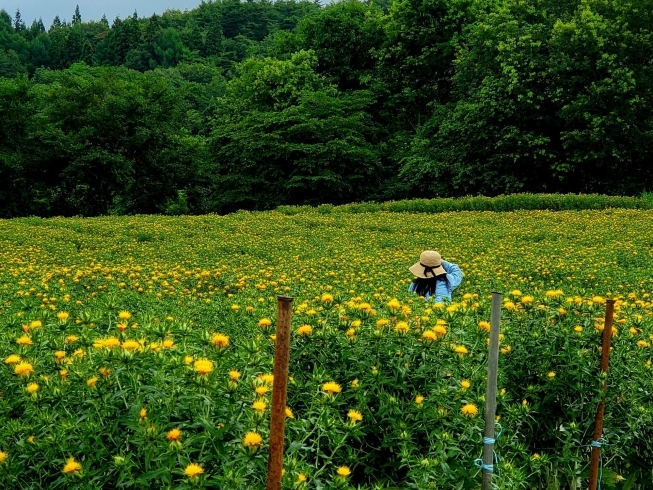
279, 392
491, 393
598, 421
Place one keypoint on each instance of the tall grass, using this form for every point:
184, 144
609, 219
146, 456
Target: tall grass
511, 202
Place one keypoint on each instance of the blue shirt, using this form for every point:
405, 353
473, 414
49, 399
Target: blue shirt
443, 289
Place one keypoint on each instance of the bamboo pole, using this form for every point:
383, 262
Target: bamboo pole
491, 393
279, 392
598, 421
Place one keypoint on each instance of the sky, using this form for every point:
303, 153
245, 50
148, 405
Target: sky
91, 9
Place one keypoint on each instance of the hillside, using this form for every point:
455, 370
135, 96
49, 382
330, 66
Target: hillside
252, 105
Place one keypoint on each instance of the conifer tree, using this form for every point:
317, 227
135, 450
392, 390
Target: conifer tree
213, 41
56, 22
19, 25
77, 17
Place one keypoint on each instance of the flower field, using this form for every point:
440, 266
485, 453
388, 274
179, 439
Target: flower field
137, 352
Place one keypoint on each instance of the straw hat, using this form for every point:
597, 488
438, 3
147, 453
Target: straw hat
429, 265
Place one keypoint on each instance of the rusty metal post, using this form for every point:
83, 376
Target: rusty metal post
279, 392
491, 392
598, 421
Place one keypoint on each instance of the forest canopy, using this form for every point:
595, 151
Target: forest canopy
256, 104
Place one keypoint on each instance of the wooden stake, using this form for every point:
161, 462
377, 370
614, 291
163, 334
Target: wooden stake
279, 392
491, 393
598, 421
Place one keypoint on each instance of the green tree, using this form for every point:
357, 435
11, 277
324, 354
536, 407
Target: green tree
77, 16
114, 141
19, 24
214, 37
344, 37
416, 61
284, 134
602, 88
169, 50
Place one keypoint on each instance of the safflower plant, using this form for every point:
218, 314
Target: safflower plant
124, 363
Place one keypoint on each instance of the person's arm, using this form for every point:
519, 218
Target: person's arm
454, 274
411, 287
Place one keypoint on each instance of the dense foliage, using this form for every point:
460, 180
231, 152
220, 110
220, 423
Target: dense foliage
257, 104
136, 352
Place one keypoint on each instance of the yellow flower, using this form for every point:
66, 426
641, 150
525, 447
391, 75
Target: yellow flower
301, 478
235, 307
71, 466
515, 292
3, 457
203, 366
168, 344
35, 324
642, 343
419, 399
104, 371
483, 325
261, 390
234, 375
465, 384
267, 378
394, 304
440, 329
92, 382
220, 340
578, 329
252, 440
343, 472
124, 315
32, 388
402, 327
429, 335
461, 349
12, 359
264, 322
259, 406
382, 322
71, 339
355, 416
331, 387
24, 369
188, 360
63, 316
24, 341
551, 374
527, 300
289, 413
470, 410
305, 330
143, 413
193, 470
327, 298
354, 383
131, 345
174, 435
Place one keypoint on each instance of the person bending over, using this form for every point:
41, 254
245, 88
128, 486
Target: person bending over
435, 278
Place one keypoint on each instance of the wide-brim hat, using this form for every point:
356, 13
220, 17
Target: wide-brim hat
429, 265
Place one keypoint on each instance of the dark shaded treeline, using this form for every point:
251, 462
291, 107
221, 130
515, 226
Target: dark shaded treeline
257, 104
